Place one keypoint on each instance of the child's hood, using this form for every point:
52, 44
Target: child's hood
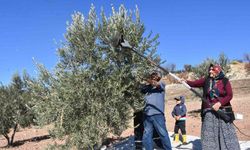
182, 98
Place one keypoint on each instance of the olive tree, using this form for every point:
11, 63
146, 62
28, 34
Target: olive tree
93, 90
15, 102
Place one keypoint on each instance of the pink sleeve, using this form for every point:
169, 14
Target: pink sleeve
197, 83
229, 96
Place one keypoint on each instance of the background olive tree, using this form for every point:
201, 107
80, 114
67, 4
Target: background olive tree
15, 102
201, 70
93, 90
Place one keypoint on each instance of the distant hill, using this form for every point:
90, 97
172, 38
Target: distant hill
238, 71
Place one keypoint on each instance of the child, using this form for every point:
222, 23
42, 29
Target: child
179, 113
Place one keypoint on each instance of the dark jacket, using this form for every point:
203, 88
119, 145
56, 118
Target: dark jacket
180, 109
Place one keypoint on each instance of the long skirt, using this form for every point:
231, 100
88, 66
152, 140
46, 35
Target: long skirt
218, 135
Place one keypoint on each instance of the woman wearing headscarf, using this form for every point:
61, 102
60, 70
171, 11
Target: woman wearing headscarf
216, 133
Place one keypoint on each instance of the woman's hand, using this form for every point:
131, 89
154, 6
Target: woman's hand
216, 106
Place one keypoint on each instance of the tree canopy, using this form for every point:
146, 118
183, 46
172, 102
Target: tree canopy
93, 90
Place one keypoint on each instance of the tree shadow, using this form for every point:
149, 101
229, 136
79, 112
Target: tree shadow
196, 145
34, 139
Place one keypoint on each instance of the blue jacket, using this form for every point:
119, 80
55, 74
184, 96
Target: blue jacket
180, 109
154, 98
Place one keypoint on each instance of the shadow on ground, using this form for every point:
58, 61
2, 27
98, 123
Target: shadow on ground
191, 145
34, 139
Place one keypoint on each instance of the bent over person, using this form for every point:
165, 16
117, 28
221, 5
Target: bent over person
154, 117
216, 133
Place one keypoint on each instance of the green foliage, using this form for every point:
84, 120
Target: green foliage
224, 62
20, 96
202, 69
94, 88
16, 106
6, 112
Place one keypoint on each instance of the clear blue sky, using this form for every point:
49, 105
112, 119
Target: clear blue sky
190, 30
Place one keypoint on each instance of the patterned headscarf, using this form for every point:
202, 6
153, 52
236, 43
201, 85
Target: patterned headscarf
213, 91
217, 69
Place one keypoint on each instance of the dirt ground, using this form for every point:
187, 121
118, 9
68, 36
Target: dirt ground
32, 138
